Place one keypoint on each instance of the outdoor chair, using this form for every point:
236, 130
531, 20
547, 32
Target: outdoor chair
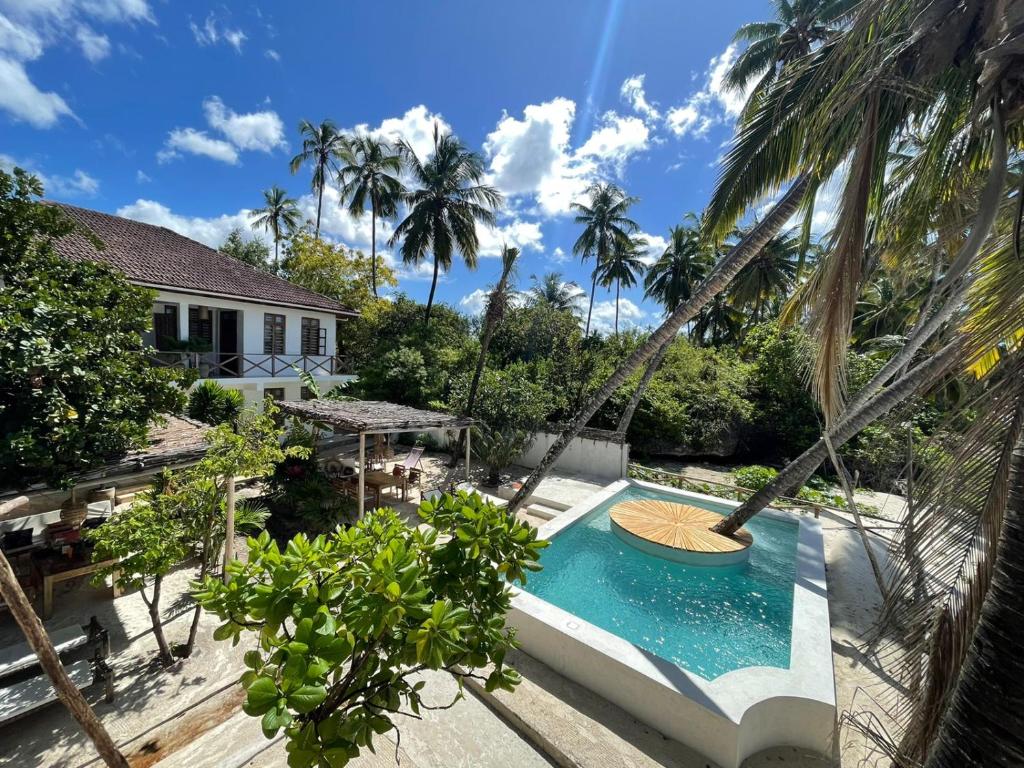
410, 468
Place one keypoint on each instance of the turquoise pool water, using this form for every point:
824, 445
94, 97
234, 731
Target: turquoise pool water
708, 620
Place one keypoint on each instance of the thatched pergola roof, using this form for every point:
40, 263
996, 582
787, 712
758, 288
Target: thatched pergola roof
371, 416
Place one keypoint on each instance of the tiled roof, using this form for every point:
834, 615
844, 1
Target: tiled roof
157, 256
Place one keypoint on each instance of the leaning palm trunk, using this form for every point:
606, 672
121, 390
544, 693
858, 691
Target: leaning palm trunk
42, 645
801, 468
956, 282
982, 724
715, 283
373, 249
638, 394
430, 297
590, 308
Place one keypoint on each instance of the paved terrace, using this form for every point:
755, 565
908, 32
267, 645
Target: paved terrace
188, 717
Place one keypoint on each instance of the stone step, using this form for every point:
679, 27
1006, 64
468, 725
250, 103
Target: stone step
543, 511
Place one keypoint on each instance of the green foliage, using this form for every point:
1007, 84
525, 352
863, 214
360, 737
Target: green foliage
787, 420
254, 252
333, 270
76, 387
696, 403
499, 447
508, 398
211, 403
400, 376
755, 477
346, 620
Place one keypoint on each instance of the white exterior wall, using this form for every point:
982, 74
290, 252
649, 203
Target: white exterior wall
598, 458
254, 383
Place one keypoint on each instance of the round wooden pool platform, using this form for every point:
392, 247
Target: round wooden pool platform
679, 532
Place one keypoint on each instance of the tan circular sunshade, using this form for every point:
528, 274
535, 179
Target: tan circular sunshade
679, 526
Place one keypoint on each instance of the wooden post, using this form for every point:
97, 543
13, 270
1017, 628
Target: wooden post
39, 641
362, 474
468, 433
229, 524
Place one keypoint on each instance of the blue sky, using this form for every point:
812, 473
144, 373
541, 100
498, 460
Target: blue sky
180, 113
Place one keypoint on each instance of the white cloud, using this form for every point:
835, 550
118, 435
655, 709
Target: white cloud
29, 27
531, 157
212, 231
713, 104
416, 127
196, 143
271, 54
615, 139
95, 46
261, 131
213, 30
79, 184
525, 235
142, 177
603, 317
474, 302
632, 92
20, 97
656, 245
559, 256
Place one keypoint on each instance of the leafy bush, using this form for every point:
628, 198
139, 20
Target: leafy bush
497, 448
399, 376
340, 625
507, 399
211, 403
76, 388
755, 477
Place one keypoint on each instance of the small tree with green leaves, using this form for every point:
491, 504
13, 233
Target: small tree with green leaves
346, 621
184, 515
148, 541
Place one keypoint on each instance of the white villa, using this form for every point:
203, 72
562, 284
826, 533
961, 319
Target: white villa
247, 329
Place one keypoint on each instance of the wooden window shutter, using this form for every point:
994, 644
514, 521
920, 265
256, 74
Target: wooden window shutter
273, 334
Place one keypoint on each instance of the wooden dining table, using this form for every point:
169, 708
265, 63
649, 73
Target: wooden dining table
378, 481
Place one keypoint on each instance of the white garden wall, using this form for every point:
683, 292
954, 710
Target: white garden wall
593, 452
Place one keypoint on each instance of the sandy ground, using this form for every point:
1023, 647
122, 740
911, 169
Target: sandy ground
151, 702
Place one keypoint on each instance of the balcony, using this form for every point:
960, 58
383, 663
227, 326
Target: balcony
234, 365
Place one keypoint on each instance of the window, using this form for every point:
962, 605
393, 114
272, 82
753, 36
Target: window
273, 334
306, 393
165, 326
314, 340
274, 393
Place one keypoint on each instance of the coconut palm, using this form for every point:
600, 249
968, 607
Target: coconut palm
622, 267
606, 228
445, 207
768, 276
498, 301
278, 216
551, 291
670, 281
800, 26
369, 174
322, 146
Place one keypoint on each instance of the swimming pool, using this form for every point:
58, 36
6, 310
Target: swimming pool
727, 659
707, 619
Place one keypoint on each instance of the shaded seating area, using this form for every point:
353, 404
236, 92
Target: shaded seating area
378, 420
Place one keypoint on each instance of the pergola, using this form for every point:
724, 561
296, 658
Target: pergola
374, 417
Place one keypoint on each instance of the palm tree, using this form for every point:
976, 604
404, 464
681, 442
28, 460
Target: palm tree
279, 215
370, 174
497, 303
622, 267
770, 275
445, 207
670, 281
322, 146
800, 25
718, 323
549, 290
606, 228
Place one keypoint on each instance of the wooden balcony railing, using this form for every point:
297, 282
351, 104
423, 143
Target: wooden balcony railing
230, 365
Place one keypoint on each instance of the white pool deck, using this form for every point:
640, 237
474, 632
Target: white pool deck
727, 719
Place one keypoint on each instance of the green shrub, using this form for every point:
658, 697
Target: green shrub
755, 477
213, 404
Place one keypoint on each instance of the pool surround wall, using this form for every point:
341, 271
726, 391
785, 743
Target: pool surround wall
729, 718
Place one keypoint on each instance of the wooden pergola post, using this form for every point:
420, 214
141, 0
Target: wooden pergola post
362, 474
469, 431
229, 533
